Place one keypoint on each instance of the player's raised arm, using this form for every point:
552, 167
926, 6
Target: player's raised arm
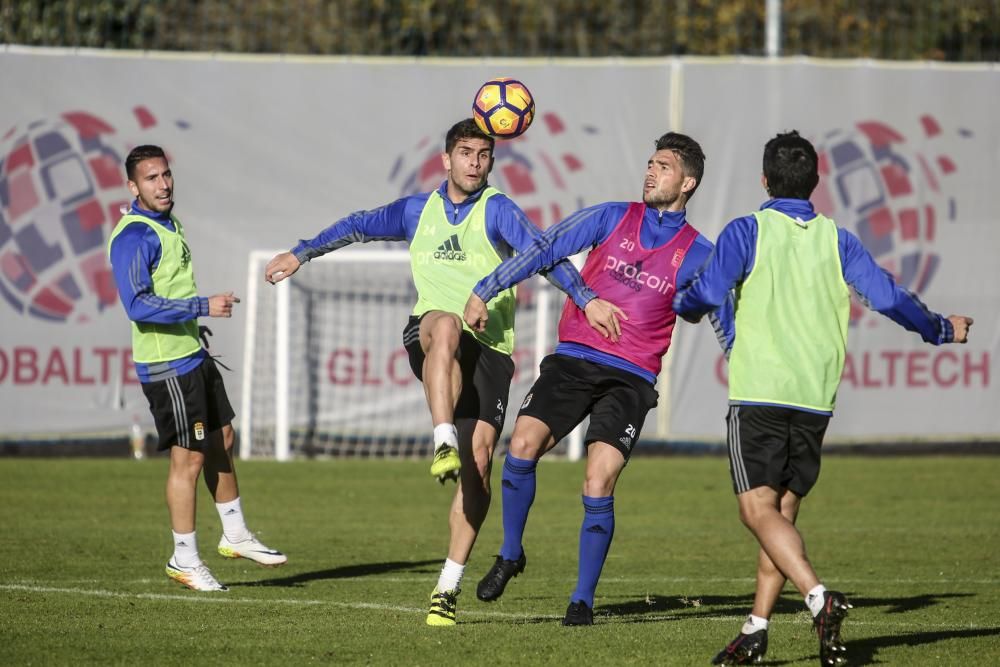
881, 293
546, 253
386, 223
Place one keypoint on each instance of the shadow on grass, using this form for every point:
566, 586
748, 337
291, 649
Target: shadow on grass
865, 651
714, 606
347, 572
525, 620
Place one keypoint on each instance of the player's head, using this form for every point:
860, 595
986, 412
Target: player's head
791, 167
673, 172
150, 179
467, 157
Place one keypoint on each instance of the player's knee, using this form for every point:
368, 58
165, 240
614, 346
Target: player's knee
524, 448
751, 513
767, 568
446, 333
599, 484
186, 470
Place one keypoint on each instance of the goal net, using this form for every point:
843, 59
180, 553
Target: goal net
325, 372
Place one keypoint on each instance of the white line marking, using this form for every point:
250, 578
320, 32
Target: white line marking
800, 618
223, 598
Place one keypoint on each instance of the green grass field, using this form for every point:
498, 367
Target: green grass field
913, 541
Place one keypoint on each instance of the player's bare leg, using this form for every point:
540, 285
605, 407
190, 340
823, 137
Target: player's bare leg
220, 476
466, 516
770, 580
220, 470
750, 645
604, 464
472, 497
440, 334
777, 535
185, 565
182, 483
531, 438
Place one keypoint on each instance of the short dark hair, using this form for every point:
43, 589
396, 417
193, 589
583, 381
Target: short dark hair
140, 153
688, 151
791, 166
465, 129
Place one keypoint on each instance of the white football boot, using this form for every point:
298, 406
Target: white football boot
252, 549
196, 578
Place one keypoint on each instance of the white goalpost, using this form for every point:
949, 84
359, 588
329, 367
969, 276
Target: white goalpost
324, 368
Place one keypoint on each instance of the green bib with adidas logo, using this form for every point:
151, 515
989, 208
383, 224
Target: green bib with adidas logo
448, 260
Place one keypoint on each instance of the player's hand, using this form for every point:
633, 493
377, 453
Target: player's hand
476, 314
961, 325
603, 316
221, 305
280, 267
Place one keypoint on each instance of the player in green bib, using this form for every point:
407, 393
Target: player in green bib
790, 271
457, 234
154, 275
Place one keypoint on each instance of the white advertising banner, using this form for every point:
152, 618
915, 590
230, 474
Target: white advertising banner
909, 158
266, 151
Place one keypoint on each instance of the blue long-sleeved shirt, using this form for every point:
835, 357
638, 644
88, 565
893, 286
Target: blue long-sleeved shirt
589, 228
507, 228
733, 260
135, 254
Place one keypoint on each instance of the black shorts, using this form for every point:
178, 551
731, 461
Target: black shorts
568, 389
188, 407
486, 375
774, 446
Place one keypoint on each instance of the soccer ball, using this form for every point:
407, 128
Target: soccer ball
503, 108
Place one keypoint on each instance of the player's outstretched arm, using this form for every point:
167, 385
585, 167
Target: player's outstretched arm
221, 305
476, 315
604, 317
280, 267
960, 324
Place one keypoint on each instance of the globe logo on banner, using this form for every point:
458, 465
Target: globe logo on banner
892, 190
535, 169
62, 188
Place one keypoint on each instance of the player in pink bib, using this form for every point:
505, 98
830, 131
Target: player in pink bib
640, 253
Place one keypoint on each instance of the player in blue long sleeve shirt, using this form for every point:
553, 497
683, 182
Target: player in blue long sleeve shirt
639, 253
135, 254
456, 234
507, 227
734, 257
152, 267
790, 271
588, 228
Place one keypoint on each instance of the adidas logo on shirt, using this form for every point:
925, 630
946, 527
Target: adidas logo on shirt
450, 250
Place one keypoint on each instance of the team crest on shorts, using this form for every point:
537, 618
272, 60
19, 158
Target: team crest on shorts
199, 431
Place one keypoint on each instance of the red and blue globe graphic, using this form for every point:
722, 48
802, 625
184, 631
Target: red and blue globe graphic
62, 189
891, 190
